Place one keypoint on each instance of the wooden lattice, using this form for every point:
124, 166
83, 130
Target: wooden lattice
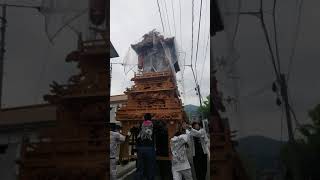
155, 93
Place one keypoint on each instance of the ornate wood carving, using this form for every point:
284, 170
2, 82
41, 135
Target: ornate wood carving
152, 92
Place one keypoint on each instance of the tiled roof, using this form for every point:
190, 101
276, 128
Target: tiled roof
118, 98
27, 114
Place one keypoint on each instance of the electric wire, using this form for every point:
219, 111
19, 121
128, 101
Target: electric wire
192, 32
260, 14
268, 40
160, 16
199, 30
276, 34
197, 86
174, 20
296, 35
165, 21
205, 45
165, 5
205, 57
180, 24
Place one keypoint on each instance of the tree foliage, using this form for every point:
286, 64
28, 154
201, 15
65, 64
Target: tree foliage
204, 110
303, 157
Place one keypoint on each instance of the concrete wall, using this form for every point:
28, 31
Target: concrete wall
16, 123
113, 112
7, 163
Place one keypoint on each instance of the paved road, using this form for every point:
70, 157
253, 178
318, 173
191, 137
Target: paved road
130, 175
165, 172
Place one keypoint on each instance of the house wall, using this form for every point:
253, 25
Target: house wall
16, 123
113, 111
13, 139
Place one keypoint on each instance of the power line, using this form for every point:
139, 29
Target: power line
197, 84
276, 33
160, 15
180, 24
260, 15
205, 57
279, 75
165, 5
264, 27
191, 66
174, 21
192, 32
199, 30
296, 34
162, 9
205, 44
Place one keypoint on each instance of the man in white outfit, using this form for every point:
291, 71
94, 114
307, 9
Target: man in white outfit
198, 142
180, 164
116, 138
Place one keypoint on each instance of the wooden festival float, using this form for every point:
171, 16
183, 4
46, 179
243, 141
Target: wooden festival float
154, 91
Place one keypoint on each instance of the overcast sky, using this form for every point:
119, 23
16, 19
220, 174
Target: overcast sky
130, 20
31, 61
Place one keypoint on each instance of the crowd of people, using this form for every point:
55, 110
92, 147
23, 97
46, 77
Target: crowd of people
189, 150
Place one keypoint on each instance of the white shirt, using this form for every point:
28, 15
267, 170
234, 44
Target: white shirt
115, 140
203, 138
179, 153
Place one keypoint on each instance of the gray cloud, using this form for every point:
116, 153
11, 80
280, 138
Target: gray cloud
130, 20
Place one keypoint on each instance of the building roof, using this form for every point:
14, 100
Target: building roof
41, 113
118, 98
113, 52
27, 114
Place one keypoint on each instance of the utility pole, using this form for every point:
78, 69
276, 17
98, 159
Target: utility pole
284, 94
199, 94
197, 89
280, 78
296, 171
2, 48
3, 39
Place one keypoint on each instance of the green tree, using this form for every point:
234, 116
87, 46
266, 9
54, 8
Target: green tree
204, 110
304, 155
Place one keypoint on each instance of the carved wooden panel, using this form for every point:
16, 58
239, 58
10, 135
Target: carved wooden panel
155, 93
